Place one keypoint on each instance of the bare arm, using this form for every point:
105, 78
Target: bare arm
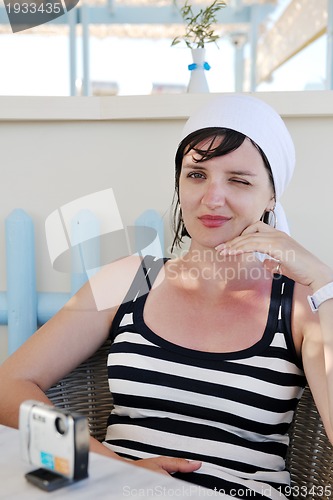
60, 345
313, 332
65, 341
317, 355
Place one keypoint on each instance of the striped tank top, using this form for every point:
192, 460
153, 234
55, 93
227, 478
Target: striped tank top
231, 410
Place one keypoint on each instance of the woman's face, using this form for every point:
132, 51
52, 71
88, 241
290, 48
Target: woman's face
220, 197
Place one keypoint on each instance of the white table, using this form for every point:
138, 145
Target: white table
108, 478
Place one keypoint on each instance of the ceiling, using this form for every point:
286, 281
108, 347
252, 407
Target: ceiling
277, 28
145, 18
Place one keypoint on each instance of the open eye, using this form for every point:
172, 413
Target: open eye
196, 175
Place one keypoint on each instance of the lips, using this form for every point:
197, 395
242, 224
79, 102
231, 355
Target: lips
213, 220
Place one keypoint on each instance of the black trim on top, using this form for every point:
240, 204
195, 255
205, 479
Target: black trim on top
286, 317
144, 277
256, 349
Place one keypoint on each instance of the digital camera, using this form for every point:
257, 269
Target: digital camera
54, 439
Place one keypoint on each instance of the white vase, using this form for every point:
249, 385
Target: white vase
198, 81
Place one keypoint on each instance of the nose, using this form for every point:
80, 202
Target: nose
214, 196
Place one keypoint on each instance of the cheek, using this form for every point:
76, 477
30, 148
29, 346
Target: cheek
187, 195
186, 204
249, 208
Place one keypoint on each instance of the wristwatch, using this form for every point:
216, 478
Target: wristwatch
324, 293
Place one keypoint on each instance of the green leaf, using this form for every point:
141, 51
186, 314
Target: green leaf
199, 24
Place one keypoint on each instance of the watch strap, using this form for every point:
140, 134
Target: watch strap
324, 293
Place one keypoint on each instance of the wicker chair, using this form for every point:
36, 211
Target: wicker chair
310, 455
86, 391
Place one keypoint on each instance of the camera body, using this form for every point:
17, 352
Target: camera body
54, 439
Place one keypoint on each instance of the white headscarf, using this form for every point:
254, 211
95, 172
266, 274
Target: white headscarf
261, 123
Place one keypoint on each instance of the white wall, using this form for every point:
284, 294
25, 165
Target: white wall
54, 150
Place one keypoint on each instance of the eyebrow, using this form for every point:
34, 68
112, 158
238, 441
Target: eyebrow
200, 166
242, 172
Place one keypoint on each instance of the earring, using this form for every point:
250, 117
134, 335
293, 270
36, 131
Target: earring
270, 218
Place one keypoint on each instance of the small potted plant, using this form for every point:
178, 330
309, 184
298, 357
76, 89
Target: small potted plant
200, 30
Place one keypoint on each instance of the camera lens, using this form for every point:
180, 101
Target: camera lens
61, 425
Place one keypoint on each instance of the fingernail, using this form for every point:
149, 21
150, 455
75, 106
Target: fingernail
220, 247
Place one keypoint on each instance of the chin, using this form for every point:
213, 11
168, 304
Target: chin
210, 238
207, 243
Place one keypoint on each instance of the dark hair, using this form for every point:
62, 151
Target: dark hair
232, 140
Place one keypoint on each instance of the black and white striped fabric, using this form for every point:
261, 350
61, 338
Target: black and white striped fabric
230, 410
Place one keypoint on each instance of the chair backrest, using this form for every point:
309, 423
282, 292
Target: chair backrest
310, 454
86, 391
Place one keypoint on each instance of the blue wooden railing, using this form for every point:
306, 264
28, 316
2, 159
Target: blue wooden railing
22, 308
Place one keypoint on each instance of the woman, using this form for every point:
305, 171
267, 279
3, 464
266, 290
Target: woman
206, 369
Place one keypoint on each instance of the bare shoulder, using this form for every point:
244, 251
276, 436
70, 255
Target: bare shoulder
77, 330
106, 290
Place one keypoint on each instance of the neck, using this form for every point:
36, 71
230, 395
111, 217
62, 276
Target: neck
204, 267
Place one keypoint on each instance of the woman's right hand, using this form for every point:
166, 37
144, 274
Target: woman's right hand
163, 465
168, 465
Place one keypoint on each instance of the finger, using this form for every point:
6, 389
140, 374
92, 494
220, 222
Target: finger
240, 244
179, 465
273, 243
273, 266
152, 465
251, 243
258, 227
